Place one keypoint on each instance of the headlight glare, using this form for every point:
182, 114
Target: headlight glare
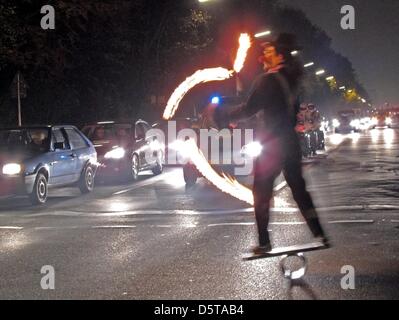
117, 153
11, 169
252, 149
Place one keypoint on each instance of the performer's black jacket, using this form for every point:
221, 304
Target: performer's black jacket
268, 95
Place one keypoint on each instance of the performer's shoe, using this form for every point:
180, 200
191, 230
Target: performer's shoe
261, 249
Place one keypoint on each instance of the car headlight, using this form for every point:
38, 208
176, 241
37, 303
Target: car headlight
12, 169
374, 121
355, 123
180, 147
388, 120
117, 153
336, 123
252, 149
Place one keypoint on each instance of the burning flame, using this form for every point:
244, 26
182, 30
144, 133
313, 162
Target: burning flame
207, 75
225, 183
245, 44
201, 76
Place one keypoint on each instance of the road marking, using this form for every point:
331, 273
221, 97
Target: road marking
195, 212
114, 227
223, 211
381, 206
395, 221
58, 228
253, 223
340, 208
287, 210
231, 224
280, 186
287, 223
351, 221
10, 228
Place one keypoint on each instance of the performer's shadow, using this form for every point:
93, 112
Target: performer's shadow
303, 286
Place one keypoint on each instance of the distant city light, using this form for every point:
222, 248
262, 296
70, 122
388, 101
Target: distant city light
330, 78
263, 33
342, 88
320, 72
106, 122
309, 64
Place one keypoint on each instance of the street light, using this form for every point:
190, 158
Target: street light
309, 64
330, 78
263, 34
342, 88
294, 53
320, 72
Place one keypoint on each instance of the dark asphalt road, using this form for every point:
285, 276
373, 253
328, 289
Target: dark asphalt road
155, 240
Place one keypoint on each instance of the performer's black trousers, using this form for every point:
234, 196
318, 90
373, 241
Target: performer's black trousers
281, 153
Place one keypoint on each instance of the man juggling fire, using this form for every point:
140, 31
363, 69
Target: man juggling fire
274, 93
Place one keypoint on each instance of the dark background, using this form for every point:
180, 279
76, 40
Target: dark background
123, 59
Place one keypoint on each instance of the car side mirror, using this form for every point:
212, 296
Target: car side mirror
59, 146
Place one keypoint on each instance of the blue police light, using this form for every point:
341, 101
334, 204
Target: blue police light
215, 100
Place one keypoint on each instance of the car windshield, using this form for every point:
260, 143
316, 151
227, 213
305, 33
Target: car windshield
32, 139
110, 132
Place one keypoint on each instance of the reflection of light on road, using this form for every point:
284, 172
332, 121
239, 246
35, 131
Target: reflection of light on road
118, 206
14, 241
175, 180
389, 136
374, 135
355, 136
280, 202
188, 221
336, 139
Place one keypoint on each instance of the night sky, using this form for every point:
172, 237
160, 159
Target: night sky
372, 47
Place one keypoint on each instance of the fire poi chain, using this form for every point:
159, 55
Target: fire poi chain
223, 182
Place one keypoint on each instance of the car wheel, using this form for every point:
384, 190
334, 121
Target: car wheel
86, 183
159, 166
134, 168
190, 175
40, 190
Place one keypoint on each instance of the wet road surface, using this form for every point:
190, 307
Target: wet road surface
154, 239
